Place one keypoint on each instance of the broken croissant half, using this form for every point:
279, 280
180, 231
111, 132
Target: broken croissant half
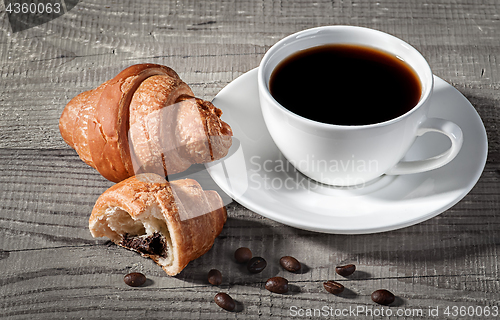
146, 119
172, 223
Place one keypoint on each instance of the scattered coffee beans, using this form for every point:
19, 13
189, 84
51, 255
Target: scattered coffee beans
333, 287
346, 270
290, 263
242, 255
224, 301
383, 297
256, 264
277, 285
214, 277
135, 279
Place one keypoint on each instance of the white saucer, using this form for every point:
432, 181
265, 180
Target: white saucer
251, 173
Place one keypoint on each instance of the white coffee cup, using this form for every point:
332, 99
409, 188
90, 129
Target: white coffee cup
343, 155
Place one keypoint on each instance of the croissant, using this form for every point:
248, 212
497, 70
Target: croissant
172, 223
146, 119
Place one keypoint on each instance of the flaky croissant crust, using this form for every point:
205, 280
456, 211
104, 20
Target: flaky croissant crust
96, 123
181, 217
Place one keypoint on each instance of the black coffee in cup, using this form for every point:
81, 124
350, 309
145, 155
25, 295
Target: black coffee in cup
345, 85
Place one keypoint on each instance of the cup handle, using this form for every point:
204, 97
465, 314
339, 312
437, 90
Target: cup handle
448, 128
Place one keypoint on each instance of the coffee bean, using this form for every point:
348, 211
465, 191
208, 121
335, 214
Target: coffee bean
383, 297
277, 285
333, 287
346, 270
214, 277
242, 255
256, 265
224, 301
135, 279
290, 263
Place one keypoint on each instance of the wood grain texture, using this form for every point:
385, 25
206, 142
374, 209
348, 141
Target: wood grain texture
53, 268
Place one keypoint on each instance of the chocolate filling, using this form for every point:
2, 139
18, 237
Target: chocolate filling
153, 244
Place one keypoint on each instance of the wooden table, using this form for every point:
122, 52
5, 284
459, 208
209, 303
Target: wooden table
53, 268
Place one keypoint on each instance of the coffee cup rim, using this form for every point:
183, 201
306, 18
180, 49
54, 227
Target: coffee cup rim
262, 82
